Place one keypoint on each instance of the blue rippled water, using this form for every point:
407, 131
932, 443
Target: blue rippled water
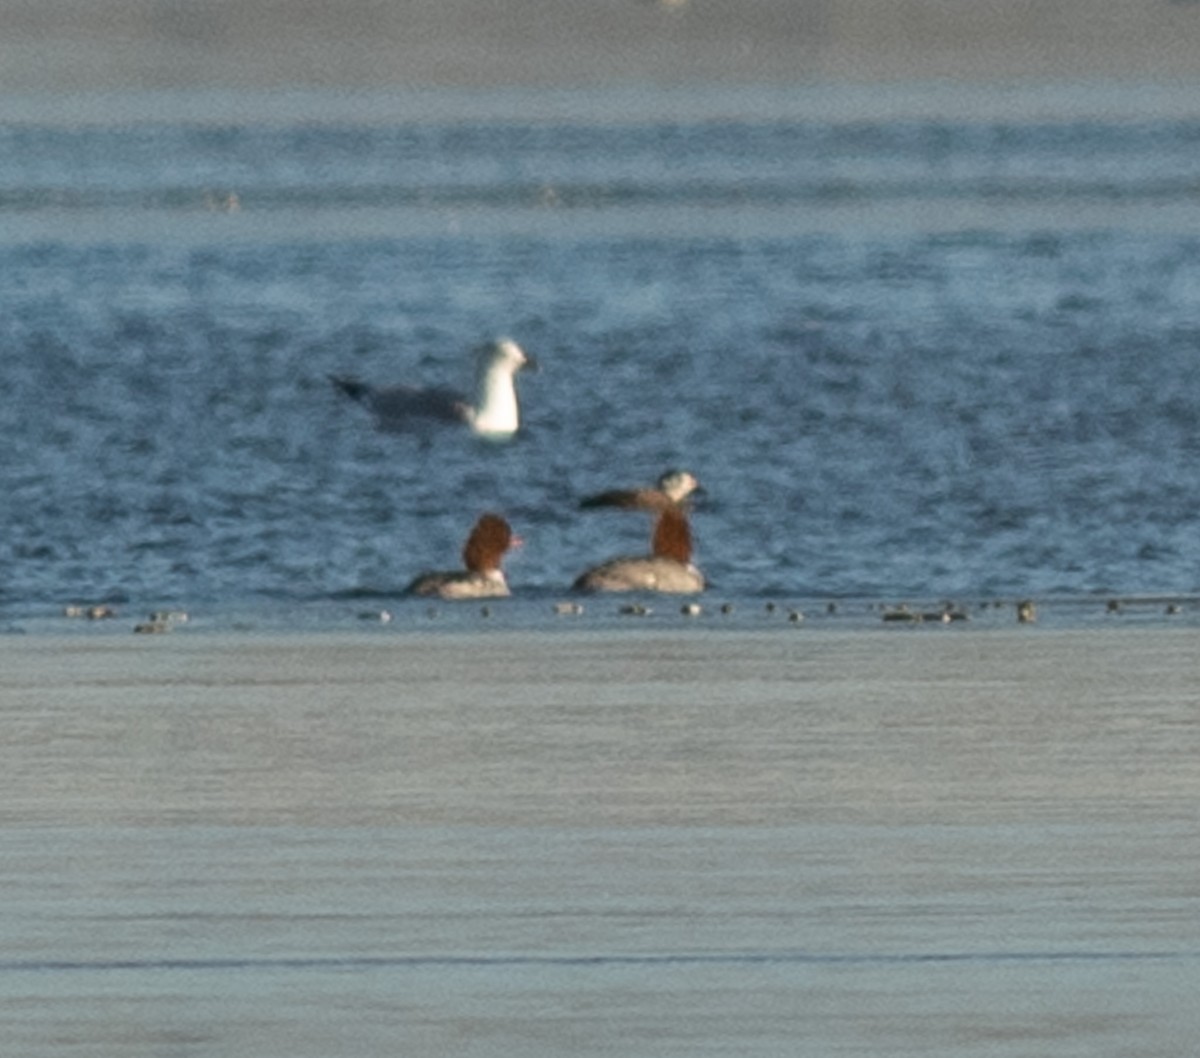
908, 358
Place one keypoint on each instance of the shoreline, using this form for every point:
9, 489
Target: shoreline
552, 613
504, 839
603, 729
997, 100
70, 44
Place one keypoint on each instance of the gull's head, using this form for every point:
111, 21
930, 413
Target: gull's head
509, 357
678, 485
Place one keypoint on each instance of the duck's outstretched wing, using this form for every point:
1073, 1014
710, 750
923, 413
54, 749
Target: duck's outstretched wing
674, 491
629, 500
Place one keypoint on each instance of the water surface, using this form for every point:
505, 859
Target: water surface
918, 353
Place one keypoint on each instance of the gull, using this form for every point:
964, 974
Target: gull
494, 414
673, 489
668, 568
482, 578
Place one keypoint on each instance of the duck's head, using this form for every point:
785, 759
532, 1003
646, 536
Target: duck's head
678, 485
491, 537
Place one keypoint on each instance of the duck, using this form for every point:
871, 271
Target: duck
673, 489
482, 578
494, 415
668, 568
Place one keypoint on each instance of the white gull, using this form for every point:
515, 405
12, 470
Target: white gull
495, 413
